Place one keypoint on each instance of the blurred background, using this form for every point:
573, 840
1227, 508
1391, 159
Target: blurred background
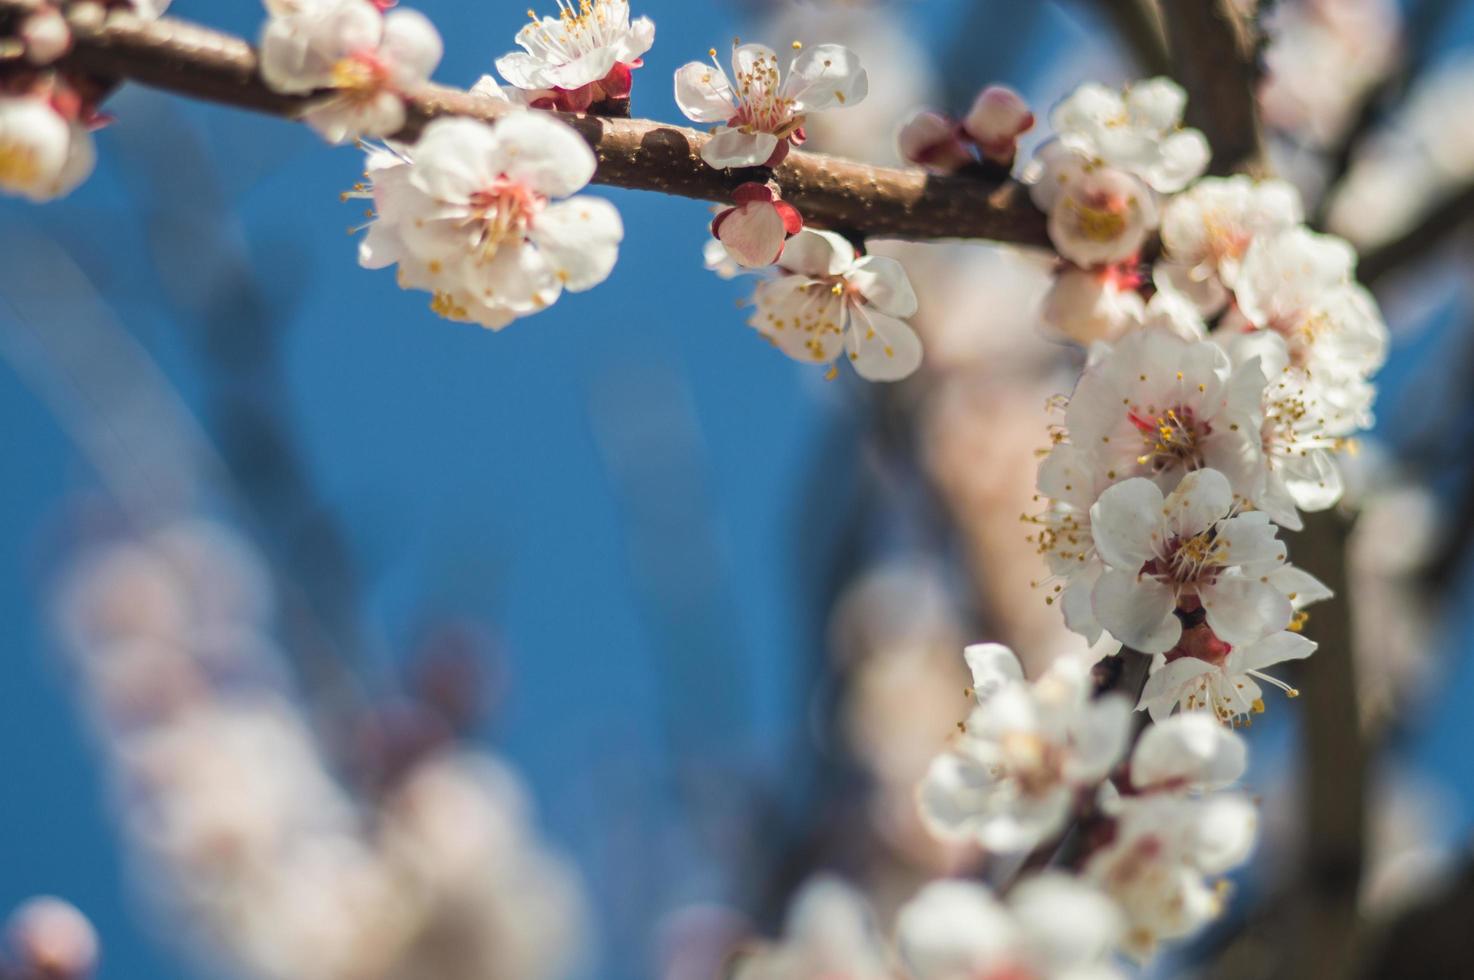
690, 610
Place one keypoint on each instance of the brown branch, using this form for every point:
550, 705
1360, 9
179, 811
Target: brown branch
1214, 57
1335, 766
853, 197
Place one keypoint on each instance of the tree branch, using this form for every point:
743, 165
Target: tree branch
1214, 57
640, 154
1335, 768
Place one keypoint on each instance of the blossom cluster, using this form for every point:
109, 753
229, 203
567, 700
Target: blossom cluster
227, 794
48, 110
1220, 385
819, 298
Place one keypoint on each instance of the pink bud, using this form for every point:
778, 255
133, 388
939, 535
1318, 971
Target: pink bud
930, 139
49, 938
998, 117
46, 36
755, 230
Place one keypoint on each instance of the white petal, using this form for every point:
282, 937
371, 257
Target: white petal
818, 253
952, 794
580, 237
1138, 612
881, 348
1127, 523
734, 148
1299, 586
1226, 828
704, 94
1242, 610
411, 46
1188, 750
521, 70
1200, 500
953, 929
992, 665
884, 284
1066, 924
1166, 683
1100, 735
454, 159
546, 155
1272, 650
824, 76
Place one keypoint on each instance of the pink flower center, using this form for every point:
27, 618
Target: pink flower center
503, 212
1169, 438
361, 74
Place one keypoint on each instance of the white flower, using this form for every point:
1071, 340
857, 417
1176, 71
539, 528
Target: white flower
1026, 755
831, 302
1158, 405
43, 156
367, 59
1138, 131
1185, 552
1158, 863
829, 932
930, 139
1052, 927
1303, 429
1203, 673
469, 213
1299, 284
764, 112
1101, 216
998, 117
1207, 229
754, 231
1187, 753
1091, 305
581, 56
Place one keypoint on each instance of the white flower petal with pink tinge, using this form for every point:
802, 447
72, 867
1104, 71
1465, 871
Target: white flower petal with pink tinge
753, 233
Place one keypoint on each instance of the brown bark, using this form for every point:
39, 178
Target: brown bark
856, 198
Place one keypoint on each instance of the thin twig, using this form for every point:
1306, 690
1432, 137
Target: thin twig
636, 153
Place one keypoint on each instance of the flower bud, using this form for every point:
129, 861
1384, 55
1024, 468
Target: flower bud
930, 139
998, 117
50, 939
755, 230
46, 36
1103, 217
